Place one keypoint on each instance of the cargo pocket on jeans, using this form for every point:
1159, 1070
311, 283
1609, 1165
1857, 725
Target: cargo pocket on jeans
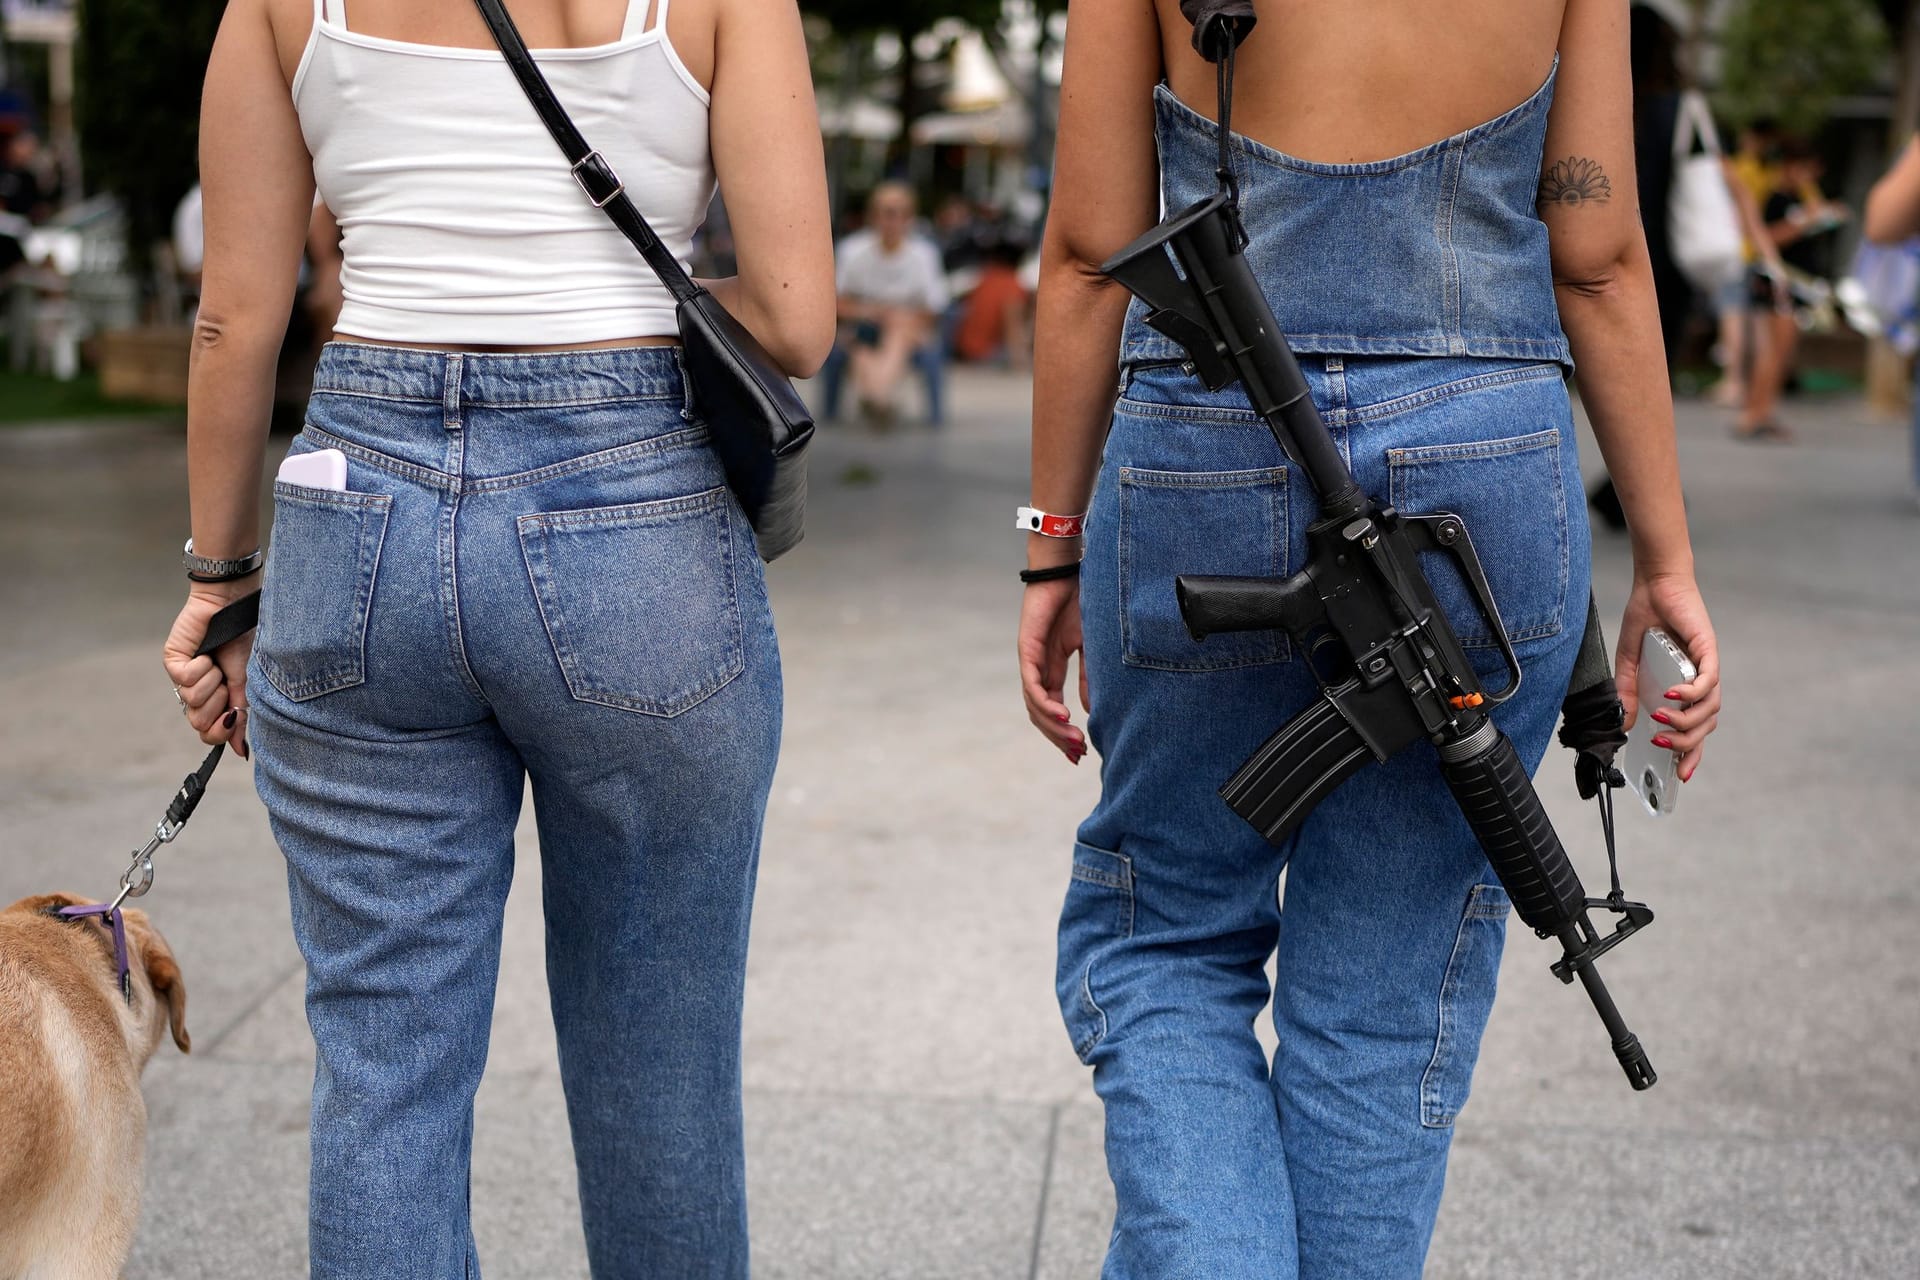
1098, 913
1466, 1001
1512, 498
640, 601
1196, 522
322, 560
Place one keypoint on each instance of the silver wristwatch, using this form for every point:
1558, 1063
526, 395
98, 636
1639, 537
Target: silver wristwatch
209, 569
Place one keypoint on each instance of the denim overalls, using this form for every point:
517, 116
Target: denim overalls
536, 572
1418, 295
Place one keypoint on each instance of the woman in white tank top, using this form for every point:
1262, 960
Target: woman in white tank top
533, 570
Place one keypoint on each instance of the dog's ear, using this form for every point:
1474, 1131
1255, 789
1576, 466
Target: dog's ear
163, 971
49, 903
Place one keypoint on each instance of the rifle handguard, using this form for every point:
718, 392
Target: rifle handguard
1498, 800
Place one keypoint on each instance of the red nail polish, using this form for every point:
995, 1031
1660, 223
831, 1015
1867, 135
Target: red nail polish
1672, 695
1662, 717
1063, 718
1688, 775
1661, 740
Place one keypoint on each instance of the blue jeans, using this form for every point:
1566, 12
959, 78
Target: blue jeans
1327, 1163
537, 572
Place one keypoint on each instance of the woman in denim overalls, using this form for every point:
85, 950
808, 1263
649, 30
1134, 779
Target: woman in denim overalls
1437, 292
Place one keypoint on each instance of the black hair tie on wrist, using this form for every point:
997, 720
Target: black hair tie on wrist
1052, 573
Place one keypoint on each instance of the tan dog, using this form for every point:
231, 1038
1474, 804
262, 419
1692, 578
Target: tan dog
73, 1126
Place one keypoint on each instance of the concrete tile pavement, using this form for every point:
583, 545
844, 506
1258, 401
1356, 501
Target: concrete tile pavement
913, 1108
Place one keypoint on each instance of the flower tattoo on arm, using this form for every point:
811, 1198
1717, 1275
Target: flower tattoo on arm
1575, 181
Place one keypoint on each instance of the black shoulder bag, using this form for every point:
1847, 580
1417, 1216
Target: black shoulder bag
756, 420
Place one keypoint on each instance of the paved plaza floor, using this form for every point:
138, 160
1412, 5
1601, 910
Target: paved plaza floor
914, 1109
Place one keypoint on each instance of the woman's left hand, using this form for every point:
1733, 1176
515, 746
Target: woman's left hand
1691, 711
212, 687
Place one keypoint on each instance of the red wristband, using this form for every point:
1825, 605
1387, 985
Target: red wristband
1048, 525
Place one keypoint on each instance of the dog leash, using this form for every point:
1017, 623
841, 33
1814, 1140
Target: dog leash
226, 626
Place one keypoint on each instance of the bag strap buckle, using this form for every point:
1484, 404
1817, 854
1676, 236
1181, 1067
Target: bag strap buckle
595, 176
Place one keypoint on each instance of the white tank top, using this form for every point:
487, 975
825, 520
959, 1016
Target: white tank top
460, 221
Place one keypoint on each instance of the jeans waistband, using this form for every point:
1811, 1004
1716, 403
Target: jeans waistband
603, 376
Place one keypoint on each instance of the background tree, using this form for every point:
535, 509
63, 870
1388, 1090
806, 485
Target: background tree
907, 20
1791, 59
139, 64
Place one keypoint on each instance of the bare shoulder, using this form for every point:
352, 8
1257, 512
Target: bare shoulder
704, 32
289, 21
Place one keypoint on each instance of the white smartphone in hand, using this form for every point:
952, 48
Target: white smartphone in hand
1654, 772
321, 469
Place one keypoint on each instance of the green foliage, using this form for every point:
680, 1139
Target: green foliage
140, 64
1790, 59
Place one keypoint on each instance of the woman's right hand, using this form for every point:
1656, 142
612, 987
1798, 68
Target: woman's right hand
1671, 601
212, 688
1049, 636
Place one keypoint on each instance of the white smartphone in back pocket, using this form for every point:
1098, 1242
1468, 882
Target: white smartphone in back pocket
321, 469
1654, 772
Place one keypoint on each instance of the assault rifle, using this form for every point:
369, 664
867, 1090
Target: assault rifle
1362, 608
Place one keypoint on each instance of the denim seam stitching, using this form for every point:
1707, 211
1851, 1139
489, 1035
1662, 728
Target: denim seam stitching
569, 402
1085, 1045
589, 517
1148, 478
1200, 413
689, 436
1432, 1114
1450, 170
374, 458
390, 397
1449, 390
1364, 413
450, 578
1141, 348
1422, 455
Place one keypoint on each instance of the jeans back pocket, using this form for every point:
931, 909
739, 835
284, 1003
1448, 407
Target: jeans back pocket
640, 601
322, 561
1512, 497
1196, 522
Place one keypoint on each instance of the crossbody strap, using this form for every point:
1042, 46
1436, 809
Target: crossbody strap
590, 169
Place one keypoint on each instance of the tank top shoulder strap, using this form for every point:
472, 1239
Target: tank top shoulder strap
637, 24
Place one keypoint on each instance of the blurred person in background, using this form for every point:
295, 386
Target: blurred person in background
535, 572
1797, 222
1416, 182
964, 236
1742, 333
996, 315
892, 290
29, 178
1893, 216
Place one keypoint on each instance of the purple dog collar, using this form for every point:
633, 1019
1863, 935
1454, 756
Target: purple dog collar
119, 923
